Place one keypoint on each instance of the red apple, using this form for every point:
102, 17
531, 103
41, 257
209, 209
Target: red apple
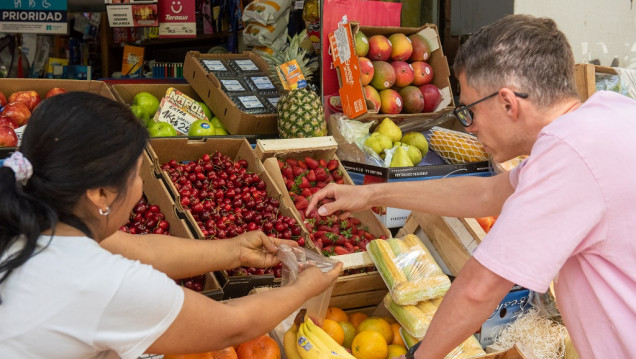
3, 99
432, 97
18, 112
8, 138
423, 73
29, 98
7, 121
55, 91
366, 71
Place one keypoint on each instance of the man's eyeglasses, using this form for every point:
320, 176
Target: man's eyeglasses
465, 115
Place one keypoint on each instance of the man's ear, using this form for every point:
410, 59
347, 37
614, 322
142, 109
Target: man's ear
100, 197
510, 101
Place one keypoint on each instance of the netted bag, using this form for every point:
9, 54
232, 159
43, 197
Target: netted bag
456, 147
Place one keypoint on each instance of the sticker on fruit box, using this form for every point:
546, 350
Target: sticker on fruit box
217, 67
260, 84
250, 104
175, 115
230, 85
245, 65
19, 132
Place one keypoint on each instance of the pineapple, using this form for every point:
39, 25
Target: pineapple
300, 111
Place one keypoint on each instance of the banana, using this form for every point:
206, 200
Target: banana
316, 333
289, 343
308, 349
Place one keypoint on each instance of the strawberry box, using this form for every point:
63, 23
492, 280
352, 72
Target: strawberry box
259, 206
156, 193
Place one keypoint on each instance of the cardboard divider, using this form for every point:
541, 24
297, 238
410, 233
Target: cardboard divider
42, 86
157, 194
208, 87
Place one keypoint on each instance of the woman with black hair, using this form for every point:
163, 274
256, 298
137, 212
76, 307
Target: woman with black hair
73, 184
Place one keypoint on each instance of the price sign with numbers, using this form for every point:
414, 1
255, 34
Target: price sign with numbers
174, 115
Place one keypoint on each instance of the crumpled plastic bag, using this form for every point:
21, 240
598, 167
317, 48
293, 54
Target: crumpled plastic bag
295, 259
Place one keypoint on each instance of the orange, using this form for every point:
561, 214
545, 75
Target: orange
395, 351
226, 353
349, 333
397, 338
337, 315
379, 325
369, 345
334, 330
357, 318
263, 347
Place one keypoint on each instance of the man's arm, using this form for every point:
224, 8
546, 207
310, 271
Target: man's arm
466, 196
471, 299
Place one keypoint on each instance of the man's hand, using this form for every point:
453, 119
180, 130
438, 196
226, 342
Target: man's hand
345, 198
258, 250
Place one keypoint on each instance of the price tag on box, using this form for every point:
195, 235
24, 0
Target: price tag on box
179, 110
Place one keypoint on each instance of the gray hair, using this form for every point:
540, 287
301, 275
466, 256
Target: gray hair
523, 51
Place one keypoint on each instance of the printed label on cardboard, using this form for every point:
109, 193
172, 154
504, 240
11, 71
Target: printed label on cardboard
273, 100
233, 85
247, 65
186, 103
263, 83
250, 102
214, 65
291, 75
174, 115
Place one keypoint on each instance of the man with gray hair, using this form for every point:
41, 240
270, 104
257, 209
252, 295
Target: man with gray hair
566, 214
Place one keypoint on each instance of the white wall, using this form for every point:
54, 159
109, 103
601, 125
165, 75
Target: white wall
596, 29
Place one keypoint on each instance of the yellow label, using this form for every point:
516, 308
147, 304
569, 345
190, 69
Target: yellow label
291, 76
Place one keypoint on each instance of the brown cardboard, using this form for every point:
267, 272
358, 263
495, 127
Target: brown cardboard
42, 86
438, 61
126, 92
209, 89
585, 78
157, 194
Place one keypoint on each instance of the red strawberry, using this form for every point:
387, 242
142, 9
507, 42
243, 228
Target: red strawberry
318, 243
322, 163
311, 176
337, 174
288, 173
301, 203
354, 221
302, 164
280, 164
332, 165
340, 250
314, 189
304, 183
292, 162
311, 163
340, 181
306, 192
349, 247
321, 174
297, 171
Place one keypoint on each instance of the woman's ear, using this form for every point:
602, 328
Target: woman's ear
100, 198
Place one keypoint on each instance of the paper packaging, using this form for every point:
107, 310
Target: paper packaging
438, 61
208, 87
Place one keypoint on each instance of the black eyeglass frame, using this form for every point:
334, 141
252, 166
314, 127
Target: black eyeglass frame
465, 115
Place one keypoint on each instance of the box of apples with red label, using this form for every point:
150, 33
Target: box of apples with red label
223, 191
20, 97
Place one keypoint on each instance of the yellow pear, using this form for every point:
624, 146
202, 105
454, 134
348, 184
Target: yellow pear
414, 154
389, 128
401, 158
416, 139
378, 142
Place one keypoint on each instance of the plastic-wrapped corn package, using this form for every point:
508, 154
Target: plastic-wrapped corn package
408, 269
265, 11
456, 147
414, 320
257, 34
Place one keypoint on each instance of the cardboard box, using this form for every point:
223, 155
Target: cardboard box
208, 86
157, 194
585, 78
353, 160
438, 62
163, 150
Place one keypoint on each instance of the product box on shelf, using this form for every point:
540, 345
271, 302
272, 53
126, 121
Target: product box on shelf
252, 115
432, 166
125, 94
451, 241
361, 288
157, 194
163, 150
348, 67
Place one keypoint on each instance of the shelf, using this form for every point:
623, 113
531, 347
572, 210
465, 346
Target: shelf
182, 41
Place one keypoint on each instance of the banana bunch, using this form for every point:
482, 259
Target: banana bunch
309, 341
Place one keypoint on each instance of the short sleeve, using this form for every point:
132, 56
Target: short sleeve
141, 310
556, 203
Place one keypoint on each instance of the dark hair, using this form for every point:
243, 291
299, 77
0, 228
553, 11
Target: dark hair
527, 52
75, 141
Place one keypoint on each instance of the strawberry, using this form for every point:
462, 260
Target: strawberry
337, 174
321, 174
321, 184
322, 163
332, 165
340, 181
349, 247
297, 171
292, 162
289, 184
306, 192
354, 221
341, 240
301, 203
318, 243
304, 183
288, 173
280, 164
311, 163
314, 189
340, 250
311, 176
319, 234
302, 164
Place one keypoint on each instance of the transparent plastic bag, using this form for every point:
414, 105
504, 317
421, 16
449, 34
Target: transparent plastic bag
408, 269
295, 259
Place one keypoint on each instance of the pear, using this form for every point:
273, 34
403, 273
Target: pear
416, 139
389, 128
414, 154
401, 158
378, 142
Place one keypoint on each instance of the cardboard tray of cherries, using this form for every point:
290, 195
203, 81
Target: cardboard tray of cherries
223, 190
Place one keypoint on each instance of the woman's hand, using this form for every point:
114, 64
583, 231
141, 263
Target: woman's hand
258, 250
312, 281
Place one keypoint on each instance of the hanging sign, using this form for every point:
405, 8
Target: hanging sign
177, 19
33, 16
132, 13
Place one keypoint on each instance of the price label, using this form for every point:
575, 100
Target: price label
20, 132
247, 65
214, 65
173, 114
233, 85
250, 102
263, 83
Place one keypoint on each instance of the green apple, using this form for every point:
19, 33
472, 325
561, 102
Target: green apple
140, 114
147, 102
206, 110
161, 129
221, 131
201, 128
216, 122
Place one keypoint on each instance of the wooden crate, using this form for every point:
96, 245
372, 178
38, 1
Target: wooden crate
585, 78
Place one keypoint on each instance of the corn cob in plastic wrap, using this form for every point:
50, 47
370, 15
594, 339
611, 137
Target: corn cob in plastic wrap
456, 147
414, 320
408, 269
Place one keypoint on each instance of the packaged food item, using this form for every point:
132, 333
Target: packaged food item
232, 86
257, 34
271, 101
250, 103
260, 84
265, 11
244, 67
219, 68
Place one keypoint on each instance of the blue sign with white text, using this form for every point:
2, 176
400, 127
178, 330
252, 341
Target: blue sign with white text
34, 16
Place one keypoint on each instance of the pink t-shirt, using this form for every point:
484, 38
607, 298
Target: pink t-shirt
572, 219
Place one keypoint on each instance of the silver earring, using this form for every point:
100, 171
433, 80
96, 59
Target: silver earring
104, 212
